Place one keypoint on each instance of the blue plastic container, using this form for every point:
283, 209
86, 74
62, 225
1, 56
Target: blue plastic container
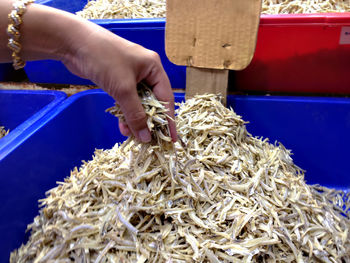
19, 109
69, 6
59, 142
149, 33
316, 129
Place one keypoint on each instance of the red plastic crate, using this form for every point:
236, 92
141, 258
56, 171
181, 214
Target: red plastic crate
300, 53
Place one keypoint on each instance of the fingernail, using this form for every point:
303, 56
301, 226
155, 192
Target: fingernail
145, 135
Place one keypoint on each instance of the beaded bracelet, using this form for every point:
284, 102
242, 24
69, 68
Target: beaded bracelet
15, 20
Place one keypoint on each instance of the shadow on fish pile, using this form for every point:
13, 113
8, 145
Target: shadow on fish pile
217, 195
3, 131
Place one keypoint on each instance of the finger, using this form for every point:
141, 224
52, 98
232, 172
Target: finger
124, 129
167, 97
134, 114
163, 92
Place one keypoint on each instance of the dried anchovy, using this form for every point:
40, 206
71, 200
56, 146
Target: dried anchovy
155, 111
3, 131
221, 195
112, 9
304, 6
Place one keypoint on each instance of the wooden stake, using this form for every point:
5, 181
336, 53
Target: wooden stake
202, 80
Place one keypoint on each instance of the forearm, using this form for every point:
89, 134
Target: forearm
46, 33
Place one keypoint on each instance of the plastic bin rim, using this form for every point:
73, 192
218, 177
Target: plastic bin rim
280, 19
71, 99
58, 93
7, 145
303, 99
131, 23
266, 19
306, 19
75, 96
319, 99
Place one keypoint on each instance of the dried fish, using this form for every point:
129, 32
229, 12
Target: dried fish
239, 199
112, 9
3, 132
304, 6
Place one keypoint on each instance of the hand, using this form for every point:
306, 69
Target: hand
117, 65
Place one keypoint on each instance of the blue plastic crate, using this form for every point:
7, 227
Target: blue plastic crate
316, 129
149, 33
69, 6
19, 109
59, 142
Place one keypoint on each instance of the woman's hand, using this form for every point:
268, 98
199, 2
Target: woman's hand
117, 65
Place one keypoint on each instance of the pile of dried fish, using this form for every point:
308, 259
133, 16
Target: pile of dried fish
3, 131
218, 195
113, 9
304, 6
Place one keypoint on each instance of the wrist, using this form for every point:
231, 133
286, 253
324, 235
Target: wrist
89, 43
